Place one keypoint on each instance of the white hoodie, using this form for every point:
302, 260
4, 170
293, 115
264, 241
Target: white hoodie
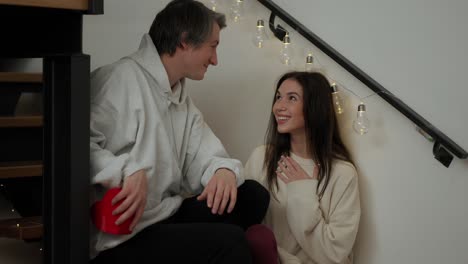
138, 122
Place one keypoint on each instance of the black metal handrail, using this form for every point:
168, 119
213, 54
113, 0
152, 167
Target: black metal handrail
440, 138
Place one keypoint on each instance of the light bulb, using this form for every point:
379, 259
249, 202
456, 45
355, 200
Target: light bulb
286, 51
259, 37
237, 10
309, 65
338, 102
361, 124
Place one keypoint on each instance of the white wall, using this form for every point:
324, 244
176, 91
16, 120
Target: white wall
413, 207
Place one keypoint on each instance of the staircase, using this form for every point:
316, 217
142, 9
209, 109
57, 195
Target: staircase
45, 159
21, 167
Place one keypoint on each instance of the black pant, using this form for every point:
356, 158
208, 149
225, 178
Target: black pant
195, 235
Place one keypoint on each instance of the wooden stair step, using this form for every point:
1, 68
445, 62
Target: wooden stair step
73, 5
21, 121
20, 169
26, 228
20, 81
20, 77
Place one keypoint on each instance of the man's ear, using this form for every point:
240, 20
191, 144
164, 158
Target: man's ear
183, 41
183, 45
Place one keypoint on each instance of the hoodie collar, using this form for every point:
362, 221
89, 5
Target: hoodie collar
148, 58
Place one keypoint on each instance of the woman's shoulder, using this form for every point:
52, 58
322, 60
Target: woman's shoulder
257, 155
259, 151
254, 166
344, 170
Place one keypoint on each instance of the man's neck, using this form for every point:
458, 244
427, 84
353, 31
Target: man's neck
173, 72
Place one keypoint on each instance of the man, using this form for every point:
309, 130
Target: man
148, 137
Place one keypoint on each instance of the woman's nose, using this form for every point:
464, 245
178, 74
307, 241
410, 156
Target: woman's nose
280, 106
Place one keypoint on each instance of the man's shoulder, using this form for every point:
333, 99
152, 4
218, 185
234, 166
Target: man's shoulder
121, 67
115, 77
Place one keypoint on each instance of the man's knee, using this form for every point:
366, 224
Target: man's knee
232, 244
256, 193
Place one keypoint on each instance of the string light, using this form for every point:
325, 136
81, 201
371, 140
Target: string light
286, 51
259, 37
361, 124
237, 10
338, 102
309, 65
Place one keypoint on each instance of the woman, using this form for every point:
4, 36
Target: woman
314, 209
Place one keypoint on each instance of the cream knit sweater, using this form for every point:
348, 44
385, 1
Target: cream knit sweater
309, 230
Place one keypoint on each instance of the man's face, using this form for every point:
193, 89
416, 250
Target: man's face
198, 59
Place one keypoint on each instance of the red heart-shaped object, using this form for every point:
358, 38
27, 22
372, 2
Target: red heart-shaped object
101, 213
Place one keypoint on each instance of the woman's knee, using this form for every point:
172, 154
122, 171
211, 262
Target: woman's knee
262, 244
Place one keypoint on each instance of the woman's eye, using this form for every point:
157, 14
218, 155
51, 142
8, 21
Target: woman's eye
278, 97
292, 98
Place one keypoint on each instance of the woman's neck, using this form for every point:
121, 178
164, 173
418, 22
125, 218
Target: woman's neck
299, 146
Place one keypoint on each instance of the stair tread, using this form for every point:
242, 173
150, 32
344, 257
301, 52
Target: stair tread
21, 121
26, 228
73, 5
20, 77
20, 169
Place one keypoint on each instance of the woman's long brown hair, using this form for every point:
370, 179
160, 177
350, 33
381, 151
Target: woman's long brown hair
324, 143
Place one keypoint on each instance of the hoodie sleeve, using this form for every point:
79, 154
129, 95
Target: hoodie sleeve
209, 155
113, 128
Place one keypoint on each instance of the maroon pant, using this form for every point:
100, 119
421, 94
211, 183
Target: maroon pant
262, 244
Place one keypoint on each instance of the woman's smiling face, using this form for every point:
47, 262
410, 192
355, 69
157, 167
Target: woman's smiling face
288, 108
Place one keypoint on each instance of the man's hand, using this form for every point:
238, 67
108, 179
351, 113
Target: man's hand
134, 191
220, 190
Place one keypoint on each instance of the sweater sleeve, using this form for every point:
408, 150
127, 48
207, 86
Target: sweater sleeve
254, 165
287, 258
325, 239
113, 128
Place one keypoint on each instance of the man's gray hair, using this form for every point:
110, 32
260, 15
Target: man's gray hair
183, 21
